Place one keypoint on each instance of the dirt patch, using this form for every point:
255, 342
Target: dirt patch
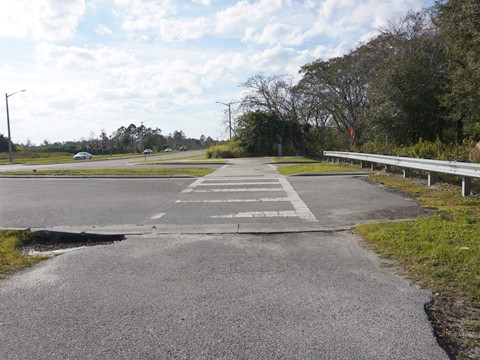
456, 325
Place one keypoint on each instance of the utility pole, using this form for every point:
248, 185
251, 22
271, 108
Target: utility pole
229, 115
10, 148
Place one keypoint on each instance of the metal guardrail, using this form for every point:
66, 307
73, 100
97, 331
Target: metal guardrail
466, 170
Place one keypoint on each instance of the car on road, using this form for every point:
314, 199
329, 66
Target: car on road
147, 151
83, 155
168, 150
183, 148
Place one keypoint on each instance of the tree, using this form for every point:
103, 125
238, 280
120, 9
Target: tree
460, 23
3, 143
407, 81
259, 132
338, 88
272, 93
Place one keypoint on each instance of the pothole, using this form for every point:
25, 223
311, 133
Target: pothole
46, 242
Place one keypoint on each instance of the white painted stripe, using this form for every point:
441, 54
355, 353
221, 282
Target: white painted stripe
157, 216
300, 207
193, 185
235, 190
257, 178
235, 200
258, 214
240, 183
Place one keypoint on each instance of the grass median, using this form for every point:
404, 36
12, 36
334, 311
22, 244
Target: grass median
294, 160
442, 253
322, 167
106, 172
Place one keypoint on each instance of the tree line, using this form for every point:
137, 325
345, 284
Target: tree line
123, 140
417, 80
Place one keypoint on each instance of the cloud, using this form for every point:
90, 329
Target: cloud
41, 19
82, 58
103, 30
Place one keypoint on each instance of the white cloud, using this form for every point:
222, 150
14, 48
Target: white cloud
82, 58
41, 19
203, 2
103, 30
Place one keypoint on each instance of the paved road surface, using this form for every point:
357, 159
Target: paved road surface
109, 163
229, 295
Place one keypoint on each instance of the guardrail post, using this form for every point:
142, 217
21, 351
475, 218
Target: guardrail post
466, 186
432, 178
373, 166
362, 164
406, 173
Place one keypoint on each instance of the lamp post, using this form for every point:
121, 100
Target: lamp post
10, 150
229, 115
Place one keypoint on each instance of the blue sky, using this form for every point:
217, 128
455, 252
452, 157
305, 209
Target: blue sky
89, 65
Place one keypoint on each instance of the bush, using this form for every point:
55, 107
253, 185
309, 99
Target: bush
225, 151
423, 149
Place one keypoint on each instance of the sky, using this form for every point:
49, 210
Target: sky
93, 65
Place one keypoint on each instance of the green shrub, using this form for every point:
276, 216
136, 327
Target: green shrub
225, 151
423, 149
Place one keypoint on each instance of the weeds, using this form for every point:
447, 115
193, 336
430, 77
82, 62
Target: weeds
441, 252
11, 256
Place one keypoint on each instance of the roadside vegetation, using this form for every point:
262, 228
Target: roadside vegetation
294, 160
230, 150
12, 256
105, 172
441, 253
323, 167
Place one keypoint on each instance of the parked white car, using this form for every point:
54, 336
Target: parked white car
82, 156
168, 150
147, 151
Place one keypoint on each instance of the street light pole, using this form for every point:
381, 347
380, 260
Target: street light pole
10, 149
229, 115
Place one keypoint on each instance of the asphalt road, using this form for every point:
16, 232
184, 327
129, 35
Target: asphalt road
100, 164
241, 264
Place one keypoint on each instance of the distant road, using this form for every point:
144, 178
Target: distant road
101, 164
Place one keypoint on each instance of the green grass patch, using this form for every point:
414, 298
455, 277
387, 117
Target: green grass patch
12, 257
442, 252
294, 159
322, 167
105, 172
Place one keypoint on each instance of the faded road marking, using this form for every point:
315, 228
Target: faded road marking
280, 199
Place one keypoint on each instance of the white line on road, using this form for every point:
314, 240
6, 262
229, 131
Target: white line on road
280, 199
300, 207
236, 190
239, 183
256, 178
258, 214
157, 216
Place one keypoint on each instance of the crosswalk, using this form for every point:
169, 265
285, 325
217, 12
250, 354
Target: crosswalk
220, 199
